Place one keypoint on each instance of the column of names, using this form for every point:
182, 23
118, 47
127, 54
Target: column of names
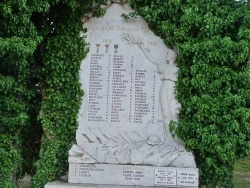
131, 117
153, 99
141, 103
95, 89
119, 91
119, 88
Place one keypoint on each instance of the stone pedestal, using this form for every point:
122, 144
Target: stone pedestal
59, 184
104, 174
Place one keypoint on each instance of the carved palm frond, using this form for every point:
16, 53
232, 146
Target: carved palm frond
125, 142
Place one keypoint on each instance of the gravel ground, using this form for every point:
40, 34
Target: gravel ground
25, 182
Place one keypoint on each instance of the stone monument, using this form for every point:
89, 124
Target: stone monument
128, 79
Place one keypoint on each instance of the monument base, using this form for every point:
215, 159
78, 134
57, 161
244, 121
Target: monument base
132, 175
59, 184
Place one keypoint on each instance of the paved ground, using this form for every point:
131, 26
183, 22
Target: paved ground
25, 182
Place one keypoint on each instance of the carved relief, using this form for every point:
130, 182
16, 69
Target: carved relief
117, 66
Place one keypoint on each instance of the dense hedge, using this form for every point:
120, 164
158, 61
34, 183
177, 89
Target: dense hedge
19, 101
40, 54
63, 50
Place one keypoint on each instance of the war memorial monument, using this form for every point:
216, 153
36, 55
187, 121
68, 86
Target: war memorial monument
123, 138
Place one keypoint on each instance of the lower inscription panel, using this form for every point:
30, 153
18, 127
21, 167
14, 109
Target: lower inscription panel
132, 175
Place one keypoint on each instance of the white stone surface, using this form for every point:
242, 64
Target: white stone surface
128, 79
58, 184
123, 137
132, 175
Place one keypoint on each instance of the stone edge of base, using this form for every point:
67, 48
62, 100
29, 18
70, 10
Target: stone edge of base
61, 184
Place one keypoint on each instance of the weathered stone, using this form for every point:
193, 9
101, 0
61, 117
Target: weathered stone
132, 175
59, 184
128, 78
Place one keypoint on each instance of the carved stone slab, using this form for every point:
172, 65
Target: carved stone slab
128, 79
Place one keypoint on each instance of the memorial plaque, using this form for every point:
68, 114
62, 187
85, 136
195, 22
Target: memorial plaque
127, 175
165, 177
111, 174
128, 79
187, 178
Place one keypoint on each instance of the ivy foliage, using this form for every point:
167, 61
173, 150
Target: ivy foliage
40, 54
60, 56
18, 101
212, 39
